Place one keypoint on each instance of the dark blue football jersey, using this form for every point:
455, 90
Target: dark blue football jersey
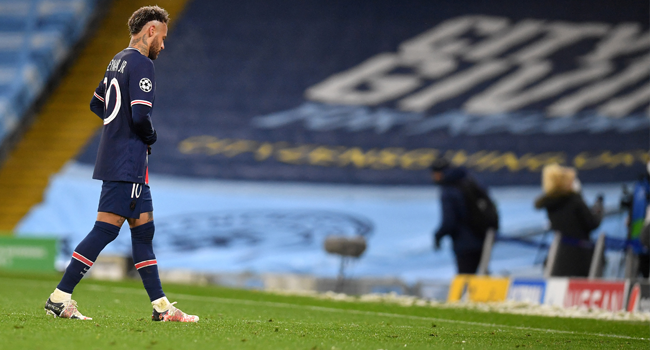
127, 95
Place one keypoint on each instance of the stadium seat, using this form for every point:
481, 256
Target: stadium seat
35, 38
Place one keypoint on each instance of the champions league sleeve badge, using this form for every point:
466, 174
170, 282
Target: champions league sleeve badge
145, 84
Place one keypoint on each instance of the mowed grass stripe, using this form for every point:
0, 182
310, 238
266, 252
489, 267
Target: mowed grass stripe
125, 290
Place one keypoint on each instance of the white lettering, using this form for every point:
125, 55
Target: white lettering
559, 35
528, 294
341, 88
624, 39
504, 40
507, 89
584, 297
509, 94
596, 296
452, 86
434, 40
445, 38
433, 61
616, 302
114, 65
624, 105
7, 254
603, 90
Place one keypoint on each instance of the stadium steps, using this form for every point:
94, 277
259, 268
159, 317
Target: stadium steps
65, 123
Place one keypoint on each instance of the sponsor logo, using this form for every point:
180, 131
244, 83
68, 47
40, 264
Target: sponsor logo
7, 254
478, 289
27, 253
145, 84
531, 291
555, 293
596, 295
639, 300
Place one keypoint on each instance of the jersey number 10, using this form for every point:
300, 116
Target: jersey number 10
118, 100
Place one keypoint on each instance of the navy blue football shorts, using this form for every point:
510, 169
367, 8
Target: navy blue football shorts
126, 199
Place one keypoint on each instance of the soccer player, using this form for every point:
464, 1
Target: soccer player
124, 100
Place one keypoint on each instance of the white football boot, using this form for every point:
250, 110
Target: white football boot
65, 309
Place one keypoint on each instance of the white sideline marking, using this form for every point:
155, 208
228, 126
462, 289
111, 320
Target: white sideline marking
99, 288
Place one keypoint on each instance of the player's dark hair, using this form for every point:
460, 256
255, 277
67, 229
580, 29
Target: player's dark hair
144, 15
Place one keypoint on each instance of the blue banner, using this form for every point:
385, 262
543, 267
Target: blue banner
527, 290
374, 91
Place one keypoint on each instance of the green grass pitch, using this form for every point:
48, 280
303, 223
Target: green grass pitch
241, 319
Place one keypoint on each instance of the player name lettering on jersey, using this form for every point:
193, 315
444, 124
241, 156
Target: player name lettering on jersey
116, 66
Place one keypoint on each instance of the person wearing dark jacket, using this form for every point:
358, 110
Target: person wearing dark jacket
467, 245
570, 216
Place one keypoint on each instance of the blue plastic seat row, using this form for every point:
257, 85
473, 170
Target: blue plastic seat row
36, 36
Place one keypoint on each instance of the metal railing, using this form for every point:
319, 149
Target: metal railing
603, 243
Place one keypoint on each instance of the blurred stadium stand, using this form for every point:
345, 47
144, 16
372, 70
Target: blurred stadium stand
36, 37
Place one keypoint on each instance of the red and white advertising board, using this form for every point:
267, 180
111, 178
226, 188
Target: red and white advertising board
556, 290
639, 300
596, 294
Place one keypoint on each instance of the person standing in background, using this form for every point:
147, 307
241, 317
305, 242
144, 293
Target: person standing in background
570, 216
455, 188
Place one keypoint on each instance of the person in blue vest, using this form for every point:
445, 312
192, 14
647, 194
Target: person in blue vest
467, 245
124, 101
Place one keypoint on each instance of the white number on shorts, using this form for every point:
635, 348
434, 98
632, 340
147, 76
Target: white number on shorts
136, 190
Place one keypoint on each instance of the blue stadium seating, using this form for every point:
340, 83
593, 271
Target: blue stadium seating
36, 36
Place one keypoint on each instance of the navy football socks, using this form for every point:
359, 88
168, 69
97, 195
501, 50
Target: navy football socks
145, 259
86, 253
